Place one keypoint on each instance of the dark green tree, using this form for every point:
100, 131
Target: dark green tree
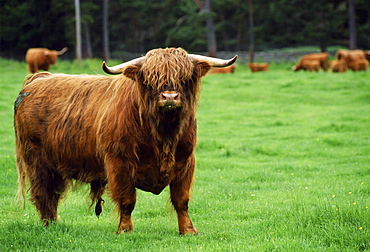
138, 26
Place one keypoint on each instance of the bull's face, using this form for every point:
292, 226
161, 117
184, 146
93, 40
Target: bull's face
168, 79
51, 56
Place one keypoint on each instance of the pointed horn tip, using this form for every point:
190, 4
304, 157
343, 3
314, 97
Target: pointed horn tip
109, 70
233, 59
228, 63
61, 52
105, 68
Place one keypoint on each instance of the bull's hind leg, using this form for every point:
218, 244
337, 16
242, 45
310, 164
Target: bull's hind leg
180, 195
126, 205
46, 189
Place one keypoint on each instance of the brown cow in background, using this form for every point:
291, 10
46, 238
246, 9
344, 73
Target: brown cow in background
134, 130
338, 66
305, 64
223, 70
355, 59
41, 58
258, 67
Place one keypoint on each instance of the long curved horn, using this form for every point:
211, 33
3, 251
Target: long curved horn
62, 51
215, 62
118, 68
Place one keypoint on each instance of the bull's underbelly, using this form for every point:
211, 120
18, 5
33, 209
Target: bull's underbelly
149, 179
87, 169
154, 188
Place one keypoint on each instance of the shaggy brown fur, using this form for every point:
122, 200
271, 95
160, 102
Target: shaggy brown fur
258, 67
321, 57
134, 130
41, 58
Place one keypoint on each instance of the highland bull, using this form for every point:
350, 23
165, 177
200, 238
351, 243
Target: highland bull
134, 130
41, 58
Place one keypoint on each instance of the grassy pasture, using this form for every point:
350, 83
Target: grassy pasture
283, 164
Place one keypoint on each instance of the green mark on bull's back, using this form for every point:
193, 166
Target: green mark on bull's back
19, 100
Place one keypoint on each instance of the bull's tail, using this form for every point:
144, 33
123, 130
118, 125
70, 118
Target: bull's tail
21, 194
97, 188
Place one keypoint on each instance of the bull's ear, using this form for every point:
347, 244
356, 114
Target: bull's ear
131, 72
202, 68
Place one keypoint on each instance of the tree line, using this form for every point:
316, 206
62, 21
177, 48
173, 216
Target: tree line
140, 25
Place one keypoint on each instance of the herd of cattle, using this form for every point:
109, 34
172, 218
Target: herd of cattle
355, 60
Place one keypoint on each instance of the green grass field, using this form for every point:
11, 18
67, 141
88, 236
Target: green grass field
283, 164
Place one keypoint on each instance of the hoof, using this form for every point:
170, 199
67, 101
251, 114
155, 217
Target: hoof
128, 229
124, 231
188, 231
47, 222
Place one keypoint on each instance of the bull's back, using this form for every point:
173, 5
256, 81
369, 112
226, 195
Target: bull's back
57, 115
32, 53
36, 56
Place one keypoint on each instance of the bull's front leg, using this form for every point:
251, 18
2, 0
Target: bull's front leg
122, 191
180, 195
